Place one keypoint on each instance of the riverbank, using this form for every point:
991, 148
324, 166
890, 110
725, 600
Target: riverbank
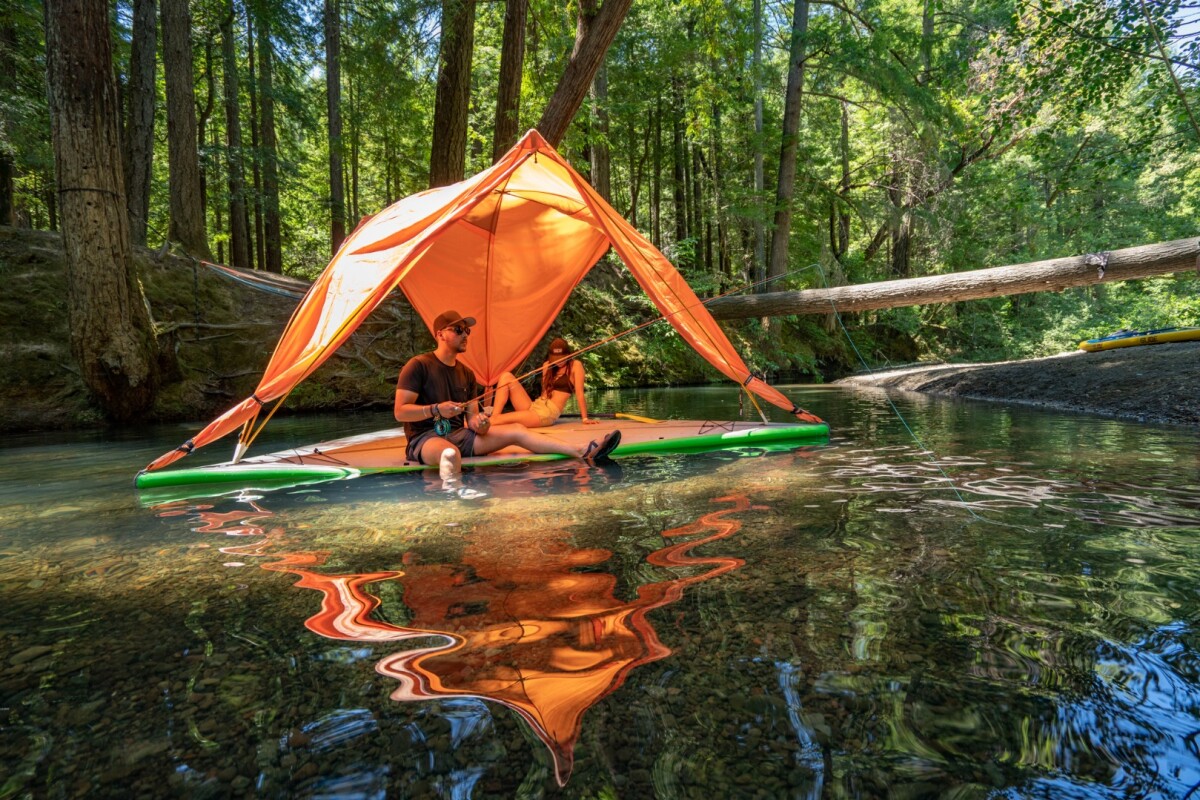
1156, 383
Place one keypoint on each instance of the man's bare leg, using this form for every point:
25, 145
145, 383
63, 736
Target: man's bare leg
437, 450
504, 435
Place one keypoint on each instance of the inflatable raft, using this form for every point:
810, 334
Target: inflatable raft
383, 452
1137, 338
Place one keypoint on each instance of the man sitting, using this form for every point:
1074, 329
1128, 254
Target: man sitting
436, 399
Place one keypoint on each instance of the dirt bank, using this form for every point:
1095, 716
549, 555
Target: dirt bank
1156, 383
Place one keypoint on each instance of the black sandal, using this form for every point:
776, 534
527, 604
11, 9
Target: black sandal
602, 448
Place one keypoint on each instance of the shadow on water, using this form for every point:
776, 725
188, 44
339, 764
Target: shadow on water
829, 621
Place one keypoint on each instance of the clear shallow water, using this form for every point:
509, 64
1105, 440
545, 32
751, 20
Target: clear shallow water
831, 621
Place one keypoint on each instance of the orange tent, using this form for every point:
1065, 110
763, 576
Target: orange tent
507, 247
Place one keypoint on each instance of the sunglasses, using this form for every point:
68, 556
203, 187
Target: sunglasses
459, 330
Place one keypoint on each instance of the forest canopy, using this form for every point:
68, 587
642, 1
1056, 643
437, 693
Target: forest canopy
878, 138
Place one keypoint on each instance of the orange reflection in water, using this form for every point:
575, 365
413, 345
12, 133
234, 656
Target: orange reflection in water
521, 625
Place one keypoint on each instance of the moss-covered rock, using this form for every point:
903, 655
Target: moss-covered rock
217, 335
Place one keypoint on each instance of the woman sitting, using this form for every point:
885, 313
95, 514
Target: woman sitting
562, 376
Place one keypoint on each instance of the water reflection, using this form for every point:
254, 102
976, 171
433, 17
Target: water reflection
988, 484
877, 641
539, 630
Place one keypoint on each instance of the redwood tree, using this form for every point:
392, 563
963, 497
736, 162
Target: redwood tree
598, 155
8, 46
139, 131
787, 150
448, 155
333, 103
112, 338
188, 225
272, 258
239, 226
508, 93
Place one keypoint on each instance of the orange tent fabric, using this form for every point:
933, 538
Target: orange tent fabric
507, 247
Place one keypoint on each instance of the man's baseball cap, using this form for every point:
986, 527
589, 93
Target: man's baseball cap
448, 318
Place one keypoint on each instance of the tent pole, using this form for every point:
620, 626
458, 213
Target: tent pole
754, 400
243, 442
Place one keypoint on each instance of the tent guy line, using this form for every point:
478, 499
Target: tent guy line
643, 325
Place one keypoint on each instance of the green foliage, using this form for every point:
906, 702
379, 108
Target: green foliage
24, 115
979, 132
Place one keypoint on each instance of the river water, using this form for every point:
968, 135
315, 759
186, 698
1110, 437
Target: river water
946, 599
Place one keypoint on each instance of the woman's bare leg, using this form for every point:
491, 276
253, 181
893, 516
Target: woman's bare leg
528, 418
509, 388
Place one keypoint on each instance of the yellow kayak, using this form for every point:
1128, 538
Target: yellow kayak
1136, 338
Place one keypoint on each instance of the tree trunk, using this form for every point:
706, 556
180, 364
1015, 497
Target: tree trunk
7, 188
841, 243
355, 149
239, 232
1040, 276
186, 204
787, 149
214, 145
656, 178
333, 105
256, 160
202, 139
272, 244
699, 229
512, 64
591, 45
447, 156
8, 49
601, 159
139, 137
387, 168
679, 184
901, 218
927, 14
902, 243
112, 338
637, 168
760, 246
722, 264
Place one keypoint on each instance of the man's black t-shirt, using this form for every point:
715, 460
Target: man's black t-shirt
434, 382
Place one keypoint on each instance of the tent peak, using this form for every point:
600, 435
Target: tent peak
532, 140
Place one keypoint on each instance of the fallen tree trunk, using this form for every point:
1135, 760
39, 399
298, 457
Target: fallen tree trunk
1040, 276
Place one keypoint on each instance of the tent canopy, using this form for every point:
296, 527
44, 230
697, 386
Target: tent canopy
507, 247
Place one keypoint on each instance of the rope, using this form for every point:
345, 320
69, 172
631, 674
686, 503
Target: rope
222, 269
896, 411
253, 284
661, 318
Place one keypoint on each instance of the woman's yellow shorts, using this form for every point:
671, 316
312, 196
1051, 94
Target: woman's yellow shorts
545, 410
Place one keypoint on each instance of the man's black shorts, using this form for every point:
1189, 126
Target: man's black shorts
462, 438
